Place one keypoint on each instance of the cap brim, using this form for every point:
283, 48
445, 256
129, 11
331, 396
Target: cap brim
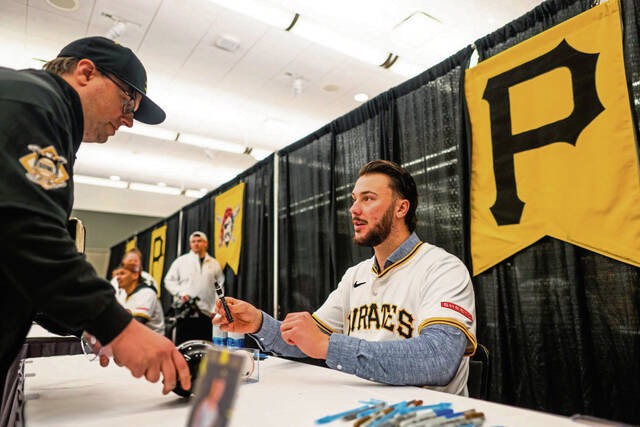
148, 112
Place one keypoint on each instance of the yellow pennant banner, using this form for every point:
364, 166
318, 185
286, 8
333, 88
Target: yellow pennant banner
131, 244
554, 151
156, 254
228, 235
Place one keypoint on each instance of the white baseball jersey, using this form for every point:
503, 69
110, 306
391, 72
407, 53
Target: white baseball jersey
428, 286
143, 302
121, 294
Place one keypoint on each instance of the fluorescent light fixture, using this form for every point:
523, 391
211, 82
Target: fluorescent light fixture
137, 186
406, 69
321, 35
102, 182
259, 153
114, 178
260, 10
194, 194
150, 131
204, 190
361, 97
213, 144
162, 184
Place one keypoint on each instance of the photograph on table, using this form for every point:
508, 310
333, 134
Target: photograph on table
219, 375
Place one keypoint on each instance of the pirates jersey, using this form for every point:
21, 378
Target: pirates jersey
428, 286
143, 302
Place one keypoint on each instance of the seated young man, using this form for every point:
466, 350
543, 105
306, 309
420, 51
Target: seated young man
141, 299
404, 316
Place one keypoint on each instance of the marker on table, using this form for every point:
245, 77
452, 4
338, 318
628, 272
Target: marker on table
370, 404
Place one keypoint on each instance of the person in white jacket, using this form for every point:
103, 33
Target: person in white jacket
194, 274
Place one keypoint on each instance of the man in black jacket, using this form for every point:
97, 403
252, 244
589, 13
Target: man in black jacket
88, 92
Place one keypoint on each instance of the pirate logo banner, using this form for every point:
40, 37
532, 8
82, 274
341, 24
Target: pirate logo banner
156, 254
554, 151
228, 235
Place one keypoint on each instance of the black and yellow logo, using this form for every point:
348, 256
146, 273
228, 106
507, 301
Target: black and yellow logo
156, 254
553, 143
45, 167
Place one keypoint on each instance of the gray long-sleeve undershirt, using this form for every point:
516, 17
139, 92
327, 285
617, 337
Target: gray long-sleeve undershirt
429, 359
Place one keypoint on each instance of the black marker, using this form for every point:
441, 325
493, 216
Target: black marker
220, 293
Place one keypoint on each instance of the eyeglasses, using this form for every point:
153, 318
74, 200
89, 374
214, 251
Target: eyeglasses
129, 105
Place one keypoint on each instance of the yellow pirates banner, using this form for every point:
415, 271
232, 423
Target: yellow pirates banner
131, 244
156, 253
554, 151
228, 236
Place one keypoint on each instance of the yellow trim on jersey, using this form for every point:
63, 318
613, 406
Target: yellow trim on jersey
326, 329
397, 263
143, 315
453, 322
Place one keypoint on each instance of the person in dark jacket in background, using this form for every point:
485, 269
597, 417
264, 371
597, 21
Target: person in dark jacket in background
92, 88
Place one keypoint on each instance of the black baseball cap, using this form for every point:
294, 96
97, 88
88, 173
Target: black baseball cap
120, 61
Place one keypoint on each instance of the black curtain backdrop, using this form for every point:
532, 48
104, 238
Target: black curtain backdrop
305, 224
432, 146
115, 256
197, 216
143, 243
254, 282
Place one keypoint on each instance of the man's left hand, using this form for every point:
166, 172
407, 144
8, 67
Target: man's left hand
300, 329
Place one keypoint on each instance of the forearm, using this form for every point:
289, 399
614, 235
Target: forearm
43, 264
269, 339
432, 358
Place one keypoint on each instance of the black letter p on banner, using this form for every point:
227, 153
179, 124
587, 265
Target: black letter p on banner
508, 207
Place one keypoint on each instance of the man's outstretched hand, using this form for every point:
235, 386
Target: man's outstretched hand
150, 354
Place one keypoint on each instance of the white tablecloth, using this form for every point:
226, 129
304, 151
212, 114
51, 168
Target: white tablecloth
71, 391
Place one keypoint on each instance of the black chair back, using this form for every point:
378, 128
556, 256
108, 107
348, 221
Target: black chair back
478, 382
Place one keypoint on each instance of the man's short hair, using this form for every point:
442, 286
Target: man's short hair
402, 184
133, 250
199, 234
129, 266
62, 65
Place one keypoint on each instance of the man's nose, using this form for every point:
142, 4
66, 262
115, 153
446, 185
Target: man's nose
126, 120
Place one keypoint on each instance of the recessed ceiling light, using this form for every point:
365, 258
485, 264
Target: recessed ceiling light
114, 178
361, 97
162, 184
227, 42
331, 88
204, 190
66, 5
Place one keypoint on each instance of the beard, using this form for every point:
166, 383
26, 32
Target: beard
379, 233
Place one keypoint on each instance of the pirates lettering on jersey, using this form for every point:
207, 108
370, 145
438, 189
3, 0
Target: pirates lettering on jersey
387, 316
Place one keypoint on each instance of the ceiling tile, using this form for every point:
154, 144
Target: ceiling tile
53, 27
82, 14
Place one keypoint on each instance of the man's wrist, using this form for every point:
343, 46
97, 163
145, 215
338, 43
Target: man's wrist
259, 322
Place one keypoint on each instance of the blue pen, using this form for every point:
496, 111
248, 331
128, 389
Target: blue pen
368, 405
402, 408
428, 415
447, 420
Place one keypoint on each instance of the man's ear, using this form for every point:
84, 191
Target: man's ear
85, 71
402, 208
